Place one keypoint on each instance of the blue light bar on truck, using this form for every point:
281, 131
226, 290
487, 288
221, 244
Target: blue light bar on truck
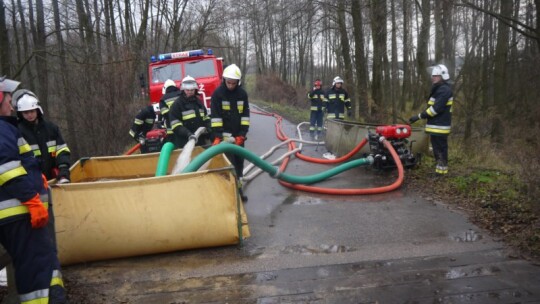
176, 55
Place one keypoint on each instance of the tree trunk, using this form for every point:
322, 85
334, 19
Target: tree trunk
345, 49
406, 87
500, 89
361, 106
40, 50
423, 82
394, 87
5, 63
71, 137
380, 60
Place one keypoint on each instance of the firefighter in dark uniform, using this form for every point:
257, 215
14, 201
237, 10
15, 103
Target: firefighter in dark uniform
144, 122
338, 99
230, 116
43, 136
439, 116
317, 102
187, 114
23, 212
170, 94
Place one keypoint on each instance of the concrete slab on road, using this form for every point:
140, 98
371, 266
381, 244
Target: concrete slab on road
394, 247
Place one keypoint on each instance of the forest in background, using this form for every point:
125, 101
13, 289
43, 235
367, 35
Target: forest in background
83, 58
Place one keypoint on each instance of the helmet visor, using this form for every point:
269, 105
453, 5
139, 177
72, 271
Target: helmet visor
8, 85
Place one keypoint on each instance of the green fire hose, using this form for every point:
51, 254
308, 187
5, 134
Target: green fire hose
225, 147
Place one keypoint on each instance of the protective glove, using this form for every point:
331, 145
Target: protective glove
38, 213
349, 113
217, 140
192, 136
63, 180
141, 140
63, 171
239, 140
413, 119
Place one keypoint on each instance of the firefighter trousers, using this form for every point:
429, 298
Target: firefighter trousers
439, 143
237, 162
316, 122
37, 269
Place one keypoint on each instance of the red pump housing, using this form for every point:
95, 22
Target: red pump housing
394, 131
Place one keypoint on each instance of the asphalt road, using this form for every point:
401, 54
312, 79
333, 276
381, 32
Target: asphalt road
394, 247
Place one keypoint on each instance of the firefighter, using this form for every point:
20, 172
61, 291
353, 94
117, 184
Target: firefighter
170, 94
317, 100
439, 117
43, 136
23, 217
187, 114
230, 117
337, 100
144, 122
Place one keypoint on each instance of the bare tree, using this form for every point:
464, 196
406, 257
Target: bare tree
361, 107
501, 54
380, 57
5, 63
422, 53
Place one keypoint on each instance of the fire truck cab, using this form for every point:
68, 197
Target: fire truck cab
207, 69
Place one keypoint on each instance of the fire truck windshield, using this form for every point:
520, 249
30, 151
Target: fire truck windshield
169, 71
201, 68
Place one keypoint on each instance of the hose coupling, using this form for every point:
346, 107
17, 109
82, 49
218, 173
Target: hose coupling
277, 173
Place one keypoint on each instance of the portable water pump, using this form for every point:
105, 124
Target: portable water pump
398, 136
154, 140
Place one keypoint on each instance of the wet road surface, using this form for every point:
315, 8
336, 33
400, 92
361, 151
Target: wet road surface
394, 247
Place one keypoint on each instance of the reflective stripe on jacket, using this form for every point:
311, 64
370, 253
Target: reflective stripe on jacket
20, 174
47, 144
317, 99
230, 112
439, 111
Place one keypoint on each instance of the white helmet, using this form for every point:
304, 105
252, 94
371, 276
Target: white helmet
28, 102
189, 83
8, 86
232, 72
168, 83
440, 70
337, 79
18, 94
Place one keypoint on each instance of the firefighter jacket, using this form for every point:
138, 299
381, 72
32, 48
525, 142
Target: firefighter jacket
186, 115
144, 122
20, 174
317, 99
230, 112
337, 99
171, 94
48, 146
439, 111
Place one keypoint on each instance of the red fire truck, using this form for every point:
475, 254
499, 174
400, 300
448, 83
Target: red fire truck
205, 68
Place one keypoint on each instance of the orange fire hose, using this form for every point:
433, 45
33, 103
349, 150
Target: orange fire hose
335, 191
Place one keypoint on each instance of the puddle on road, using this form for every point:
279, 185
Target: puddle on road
468, 236
458, 273
321, 249
302, 200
